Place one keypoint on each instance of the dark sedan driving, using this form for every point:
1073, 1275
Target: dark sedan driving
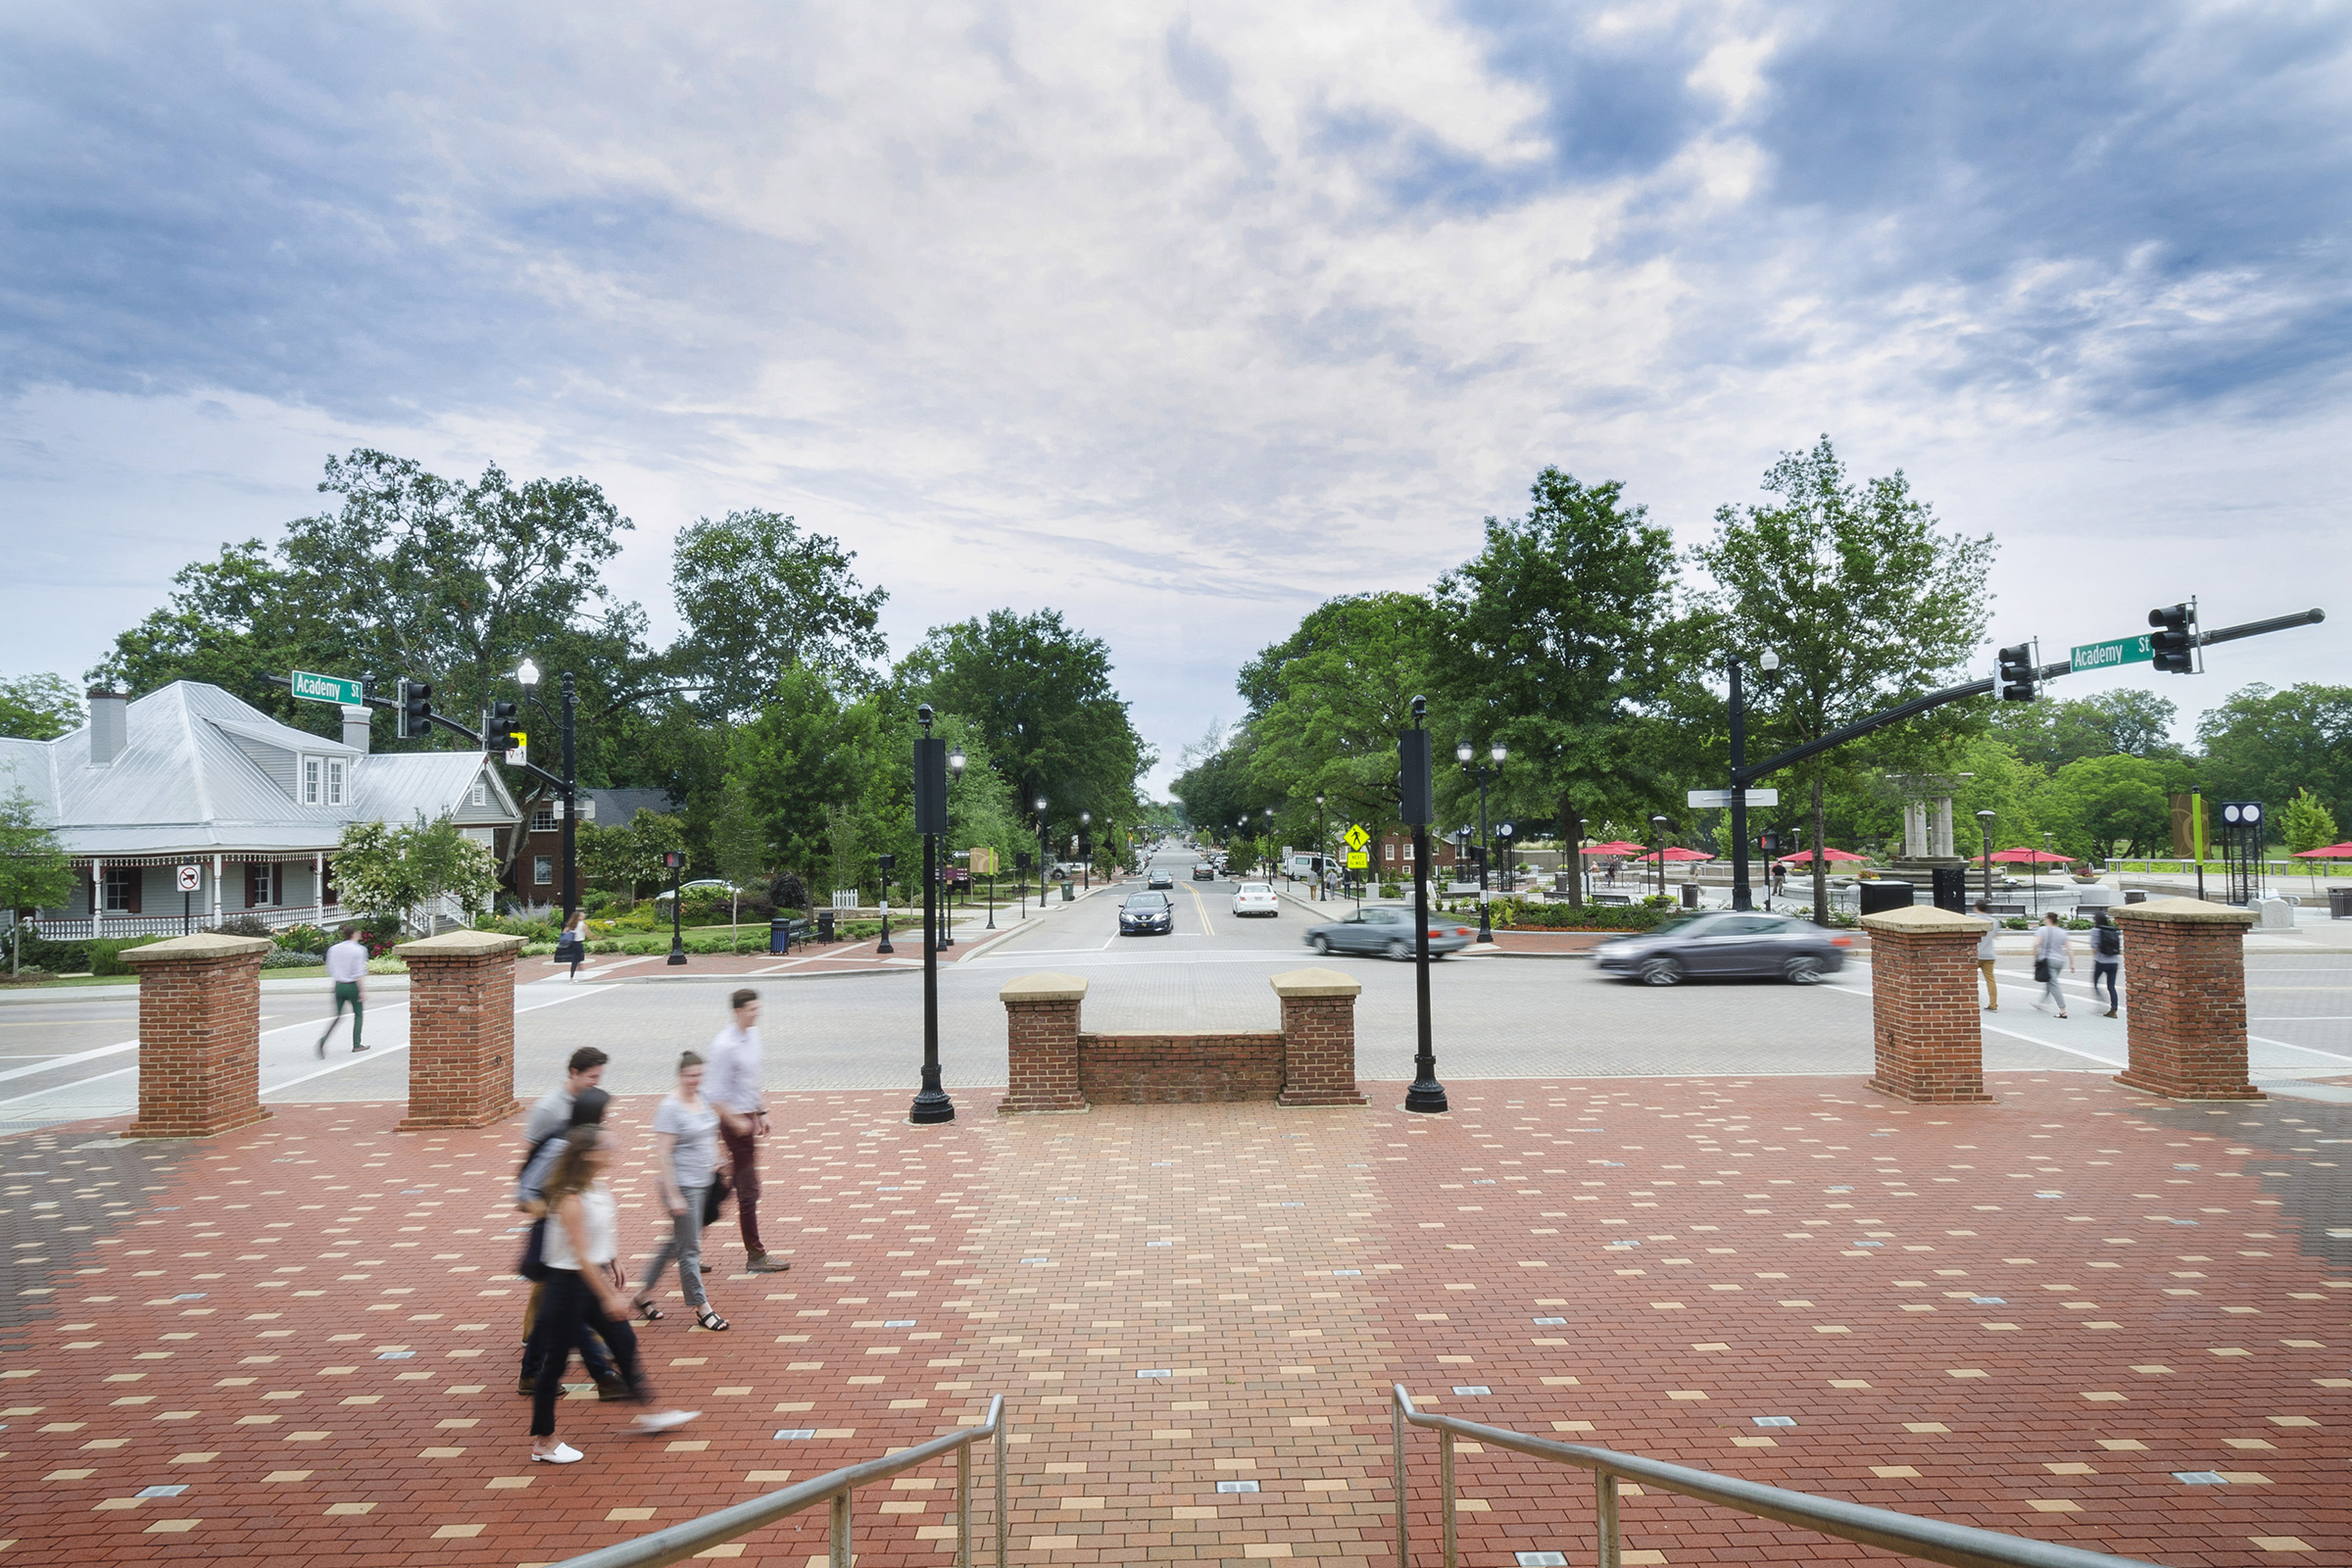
1729, 945
1147, 914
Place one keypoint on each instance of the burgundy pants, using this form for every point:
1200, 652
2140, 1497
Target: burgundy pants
743, 1148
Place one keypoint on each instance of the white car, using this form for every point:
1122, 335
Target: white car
1255, 898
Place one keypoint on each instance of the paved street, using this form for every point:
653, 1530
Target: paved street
1495, 1016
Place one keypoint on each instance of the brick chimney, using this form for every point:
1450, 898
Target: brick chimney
355, 727
109, 726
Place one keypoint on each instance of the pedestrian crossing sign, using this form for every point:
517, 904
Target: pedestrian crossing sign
1357, 860
1355, 838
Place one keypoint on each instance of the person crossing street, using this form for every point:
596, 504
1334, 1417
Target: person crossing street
732, 1085
347, 968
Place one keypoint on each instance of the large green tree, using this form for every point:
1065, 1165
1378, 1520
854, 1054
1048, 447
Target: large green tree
759, 596
2054, 733
2265, 745
804, 754
39, 707
2097, 806
1865, 598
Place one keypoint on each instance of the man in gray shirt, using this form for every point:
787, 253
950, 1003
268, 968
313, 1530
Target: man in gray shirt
553, 1112
732, 1084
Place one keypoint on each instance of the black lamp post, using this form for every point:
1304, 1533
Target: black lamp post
676, 860
931, 1101
888, 862
528, 677
1657, 827
946, 857
1462, 754
1426, 1094
1575, 828
1768, 665
1984, 832
1020, 867
1503, 831
1044, 852
1322, 843
1086, 847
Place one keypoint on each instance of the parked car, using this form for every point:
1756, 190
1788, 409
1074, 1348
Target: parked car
1726, 943
1203, 871
1147, 914
1255, 898
1160, 879
1386, 929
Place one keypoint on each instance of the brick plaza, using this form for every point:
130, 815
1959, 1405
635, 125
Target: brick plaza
2035, 1315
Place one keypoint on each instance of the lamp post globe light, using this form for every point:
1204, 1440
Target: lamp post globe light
1044, 852
1322, 828
1086, 847
1504, 831
1657, 828
1463, 752
946, 924
1984, 832
528, 677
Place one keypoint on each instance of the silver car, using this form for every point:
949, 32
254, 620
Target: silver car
1387, 930
1728, 945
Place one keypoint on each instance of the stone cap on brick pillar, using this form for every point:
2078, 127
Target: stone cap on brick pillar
195, 948
1315, 983
2156, 912
1044, 988
460, 944
1925, 920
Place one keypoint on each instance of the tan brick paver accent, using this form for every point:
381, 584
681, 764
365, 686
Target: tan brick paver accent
200, 1035
1930, 1047
460, 1029
2184, 961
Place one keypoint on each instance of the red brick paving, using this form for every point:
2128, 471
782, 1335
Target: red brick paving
1310, 1257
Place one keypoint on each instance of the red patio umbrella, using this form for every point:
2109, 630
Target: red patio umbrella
1675, 852
1805, 857
1618, 848
2330, 851
2023, 856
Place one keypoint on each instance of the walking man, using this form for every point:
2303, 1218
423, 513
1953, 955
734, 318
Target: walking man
552, 1112
2050, 959
732, 1085
347, 967
1984, 956
2106, 960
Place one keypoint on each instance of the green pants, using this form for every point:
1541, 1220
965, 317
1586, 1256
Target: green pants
346, 994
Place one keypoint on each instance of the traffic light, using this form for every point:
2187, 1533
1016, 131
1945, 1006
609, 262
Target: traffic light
2174, 645
1768, 843
415, 711
499, 736
2018, 673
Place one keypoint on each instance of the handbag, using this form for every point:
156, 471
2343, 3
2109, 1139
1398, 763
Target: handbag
2042, 968
569, 949
721, 1184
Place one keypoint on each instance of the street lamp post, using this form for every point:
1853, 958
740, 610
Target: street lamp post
1462, 752
1020, 869
676, 860
1657, 827
1322, 843
2038, 865
1045, 852
1575, 826
888, 862
1504, 831
1984, 831
1426, 1094
1086, 847
526, 676
947, 859
931, 1101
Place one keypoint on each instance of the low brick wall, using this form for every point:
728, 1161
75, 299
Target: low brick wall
460, 1029
1928, 1041
1146, 1069
200, 1035
2185, 978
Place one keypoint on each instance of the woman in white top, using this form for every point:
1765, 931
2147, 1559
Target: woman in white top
2050, 959
572, 945
581, 1281
686, 1162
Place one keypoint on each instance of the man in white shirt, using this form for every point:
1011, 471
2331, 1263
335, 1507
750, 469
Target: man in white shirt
347, 967
731, 1082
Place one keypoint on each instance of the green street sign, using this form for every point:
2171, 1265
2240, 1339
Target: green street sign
2119, 651
335, 689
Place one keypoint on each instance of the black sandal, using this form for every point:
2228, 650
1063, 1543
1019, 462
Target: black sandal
711, 1321
647, 1311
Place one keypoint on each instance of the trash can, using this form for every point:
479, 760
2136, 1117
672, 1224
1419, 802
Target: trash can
1069, 893
824, 925
2339, 904
779, 933
1952, 888
1689, 894
2135, 894
1882, 894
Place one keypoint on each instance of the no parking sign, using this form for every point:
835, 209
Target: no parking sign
191, 878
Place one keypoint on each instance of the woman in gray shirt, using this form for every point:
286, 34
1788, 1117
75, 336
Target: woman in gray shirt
686, 1159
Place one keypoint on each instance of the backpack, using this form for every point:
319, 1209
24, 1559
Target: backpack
2107, 942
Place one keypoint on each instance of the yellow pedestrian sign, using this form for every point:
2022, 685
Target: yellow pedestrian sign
1357, 860
1355, 838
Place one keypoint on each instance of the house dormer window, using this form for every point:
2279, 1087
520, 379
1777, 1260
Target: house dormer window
543, 820
334, 781
312, 769
481, 793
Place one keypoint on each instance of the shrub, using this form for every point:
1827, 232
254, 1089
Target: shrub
788, 892
307, 939
105, 954
283, 957
49, 956
244, 925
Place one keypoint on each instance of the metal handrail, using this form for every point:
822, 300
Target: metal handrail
1959, 1546
682, 1541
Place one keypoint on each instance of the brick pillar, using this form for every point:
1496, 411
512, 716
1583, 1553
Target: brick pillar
1318, 1038
1929, 1045
1040, 1040
2184, 976
460, 1029
200, 1035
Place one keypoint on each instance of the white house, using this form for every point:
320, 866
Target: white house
190, 777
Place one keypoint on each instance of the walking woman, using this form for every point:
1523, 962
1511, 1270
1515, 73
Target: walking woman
581, 1287
2106, 961
572, 946
2050, 956
686, 1159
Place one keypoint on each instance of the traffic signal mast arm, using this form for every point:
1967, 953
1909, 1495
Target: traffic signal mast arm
453, 727
1743, 777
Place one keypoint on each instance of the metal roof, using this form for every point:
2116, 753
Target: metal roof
196, 775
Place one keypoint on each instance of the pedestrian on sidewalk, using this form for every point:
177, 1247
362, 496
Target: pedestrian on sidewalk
686, 1166
347, 967
2051, 957
2106, 961
583, 1287
572, 946
1985, 957
530, 1197
552, 1112
733, 1083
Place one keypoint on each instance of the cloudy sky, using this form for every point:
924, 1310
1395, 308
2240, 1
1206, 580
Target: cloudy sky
1183, 317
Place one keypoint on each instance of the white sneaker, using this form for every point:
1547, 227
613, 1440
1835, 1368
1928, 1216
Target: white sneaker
664, 1421
564, 1453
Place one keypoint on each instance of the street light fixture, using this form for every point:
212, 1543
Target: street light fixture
1503, 831
1658, 826
1086, 847
946, 926
1984, 828
1463, 752
887, 861
931, 1101
1045, 852
526, 676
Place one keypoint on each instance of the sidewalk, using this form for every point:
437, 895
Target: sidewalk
297, 1341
